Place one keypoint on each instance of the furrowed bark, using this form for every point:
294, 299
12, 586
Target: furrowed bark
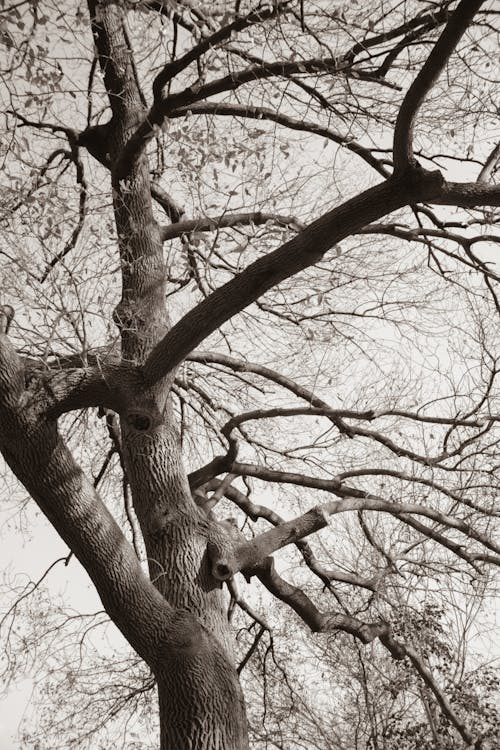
201, 704
38, 456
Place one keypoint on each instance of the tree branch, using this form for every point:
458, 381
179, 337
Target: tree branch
369, 415
490, 165
105, 384
365, 632
320, 622
164, 107
212, 223
306, 126
36, 453
252, 553
183, 99
239, 24
240, 365
326, 575
413, 479
443, 702
427, 76
174, 212
305, 249
468, 194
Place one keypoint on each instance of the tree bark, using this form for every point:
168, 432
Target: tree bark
176, 620
201, 702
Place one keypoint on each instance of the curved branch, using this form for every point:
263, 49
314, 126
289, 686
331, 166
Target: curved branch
82, 209
429, 73
490, 165
446, 708
240, 365
163, 108
369, 416
306, 126
250, 555
365, 632
38, 456
326, 575
174, 212
239, 24
303, 250
321, 622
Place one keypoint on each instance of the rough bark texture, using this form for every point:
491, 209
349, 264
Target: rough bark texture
176, 620
201, 704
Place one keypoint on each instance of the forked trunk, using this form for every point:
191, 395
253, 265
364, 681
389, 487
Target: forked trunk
201, 703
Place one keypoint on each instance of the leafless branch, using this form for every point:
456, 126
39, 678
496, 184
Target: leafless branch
239, 24
303, 250
427, 76
490, 165
212, 223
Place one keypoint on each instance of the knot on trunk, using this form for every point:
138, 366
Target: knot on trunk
224, 537
423, 184
140, 422
143, 416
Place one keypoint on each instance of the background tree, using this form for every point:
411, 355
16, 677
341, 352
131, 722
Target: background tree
277, 183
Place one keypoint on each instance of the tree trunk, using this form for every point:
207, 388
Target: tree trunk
200, 699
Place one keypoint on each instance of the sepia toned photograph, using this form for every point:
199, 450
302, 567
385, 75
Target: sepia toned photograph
249, 374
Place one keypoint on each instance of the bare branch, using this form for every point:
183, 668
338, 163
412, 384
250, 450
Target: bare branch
468, 195
52, 127
369, 415
176, 66
490, 165
250, 554
218, 465
305, 249
39, 458
457, 549
244, 606
30, 588
212, 223
320, 622
427, 76
240, 365
326, 575
174, 212
71, 243
414, 479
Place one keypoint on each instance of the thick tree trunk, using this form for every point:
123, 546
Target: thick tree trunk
194, 713
200, 699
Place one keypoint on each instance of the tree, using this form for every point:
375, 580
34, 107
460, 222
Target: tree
198, 214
